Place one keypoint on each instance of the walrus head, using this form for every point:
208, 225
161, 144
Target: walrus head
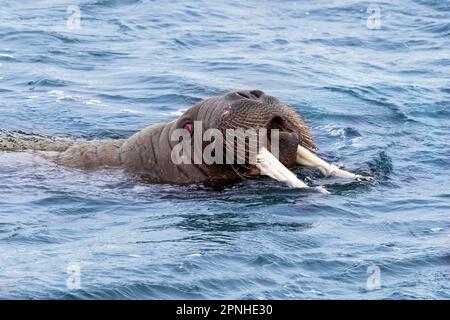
240, 111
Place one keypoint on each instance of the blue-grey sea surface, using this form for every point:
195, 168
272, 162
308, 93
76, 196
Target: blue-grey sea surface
372, 80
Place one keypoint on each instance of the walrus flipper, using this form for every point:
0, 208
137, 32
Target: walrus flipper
20, 141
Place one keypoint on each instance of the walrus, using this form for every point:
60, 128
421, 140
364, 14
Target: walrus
148, 155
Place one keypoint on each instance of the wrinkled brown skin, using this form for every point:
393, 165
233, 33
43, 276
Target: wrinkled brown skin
147, 154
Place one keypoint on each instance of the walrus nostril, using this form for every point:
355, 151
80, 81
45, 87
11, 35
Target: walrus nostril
253, 94
256, 93
243, 94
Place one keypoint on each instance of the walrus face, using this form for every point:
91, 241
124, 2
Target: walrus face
250, 110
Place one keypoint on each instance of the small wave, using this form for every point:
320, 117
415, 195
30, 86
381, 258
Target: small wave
37, 37
110, 3
6, 56
381, 166
93, 102
343, 132
437, 5
45, 83
61, 95
178, 113
129, 111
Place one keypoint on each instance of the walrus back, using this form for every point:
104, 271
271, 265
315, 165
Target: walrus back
92, 155
19, 141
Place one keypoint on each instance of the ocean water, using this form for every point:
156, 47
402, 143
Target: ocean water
376, 94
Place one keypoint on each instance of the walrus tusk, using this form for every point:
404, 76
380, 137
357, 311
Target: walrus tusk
270, 166
308, 159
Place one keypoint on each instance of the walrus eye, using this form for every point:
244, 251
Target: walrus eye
189, 127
